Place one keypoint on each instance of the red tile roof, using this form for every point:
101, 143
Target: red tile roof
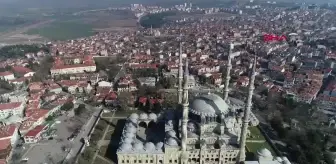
4, 144
7, 131
6, 73
35, 131
10, 105
3, 161
34, 115
20, 69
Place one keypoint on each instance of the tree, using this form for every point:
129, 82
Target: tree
80, 109
125, 100
67, 106
49, 118
277, 125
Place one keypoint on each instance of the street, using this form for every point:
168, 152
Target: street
84, 132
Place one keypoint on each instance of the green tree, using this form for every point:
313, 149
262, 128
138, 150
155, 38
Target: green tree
67, 106
124, 99
49, 118
80, 109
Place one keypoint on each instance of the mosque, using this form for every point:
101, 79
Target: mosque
208, 130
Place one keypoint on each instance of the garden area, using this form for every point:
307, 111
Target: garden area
255, 134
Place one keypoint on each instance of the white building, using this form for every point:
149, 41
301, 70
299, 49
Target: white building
14, 108
34, 135
72, 69
149, 81
9, 132
7, 76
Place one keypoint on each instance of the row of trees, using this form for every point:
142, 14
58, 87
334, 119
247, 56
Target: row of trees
14, 51
155, 20
149, 72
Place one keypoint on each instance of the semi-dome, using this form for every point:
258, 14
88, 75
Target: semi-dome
128, 140
129, 135
159, 146
138, 146
210, 104
143, 116
125, 147
149, 146
264, 153
172, 142
130, 130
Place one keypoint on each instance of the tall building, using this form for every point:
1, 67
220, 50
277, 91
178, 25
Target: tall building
207, 130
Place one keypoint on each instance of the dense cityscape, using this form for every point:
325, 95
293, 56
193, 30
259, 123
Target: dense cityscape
252, 83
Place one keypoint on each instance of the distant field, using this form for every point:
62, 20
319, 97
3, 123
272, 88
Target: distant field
61, 30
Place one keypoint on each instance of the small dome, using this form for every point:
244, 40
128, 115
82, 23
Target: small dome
264, 153
171, 133
130, 125
130, 130
279, 159
159, 146
149, 146
152, 116
172, 142
138, 146
191, 125
285, 160
125, 147
209, 104
128, 135
143, 116
128, 140
134, 116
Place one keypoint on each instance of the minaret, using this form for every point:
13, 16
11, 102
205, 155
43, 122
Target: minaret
228, 69
247, 113
185, 114
180, 77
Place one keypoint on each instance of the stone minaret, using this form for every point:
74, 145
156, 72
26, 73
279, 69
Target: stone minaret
180, 77
228, 69
185, 114
247, 113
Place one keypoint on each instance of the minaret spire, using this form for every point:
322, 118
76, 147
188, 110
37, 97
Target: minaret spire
247, 113
228, 69
180, 76
185, 108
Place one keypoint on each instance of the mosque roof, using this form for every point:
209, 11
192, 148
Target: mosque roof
209, 104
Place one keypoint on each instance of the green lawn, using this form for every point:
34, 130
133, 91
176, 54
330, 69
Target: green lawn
255, 134
254, 147
59, 30
109, 114
102, 150
108, 135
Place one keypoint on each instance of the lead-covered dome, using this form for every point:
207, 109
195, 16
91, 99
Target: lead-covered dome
210, 104
265, 153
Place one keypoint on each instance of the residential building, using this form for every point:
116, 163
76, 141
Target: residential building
14, 108
35, 135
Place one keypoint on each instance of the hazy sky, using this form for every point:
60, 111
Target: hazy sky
105, 3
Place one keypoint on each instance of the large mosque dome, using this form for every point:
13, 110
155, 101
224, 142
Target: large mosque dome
209, 104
